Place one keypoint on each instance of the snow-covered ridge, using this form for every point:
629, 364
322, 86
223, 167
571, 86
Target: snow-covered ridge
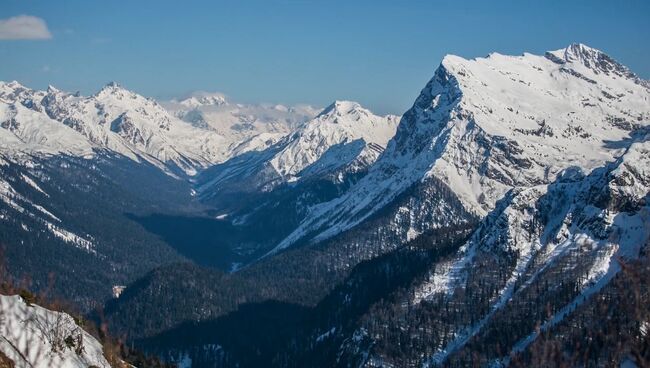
32, 336
487, 125
116, 120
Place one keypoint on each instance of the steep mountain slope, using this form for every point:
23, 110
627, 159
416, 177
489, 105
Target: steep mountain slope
539, 255
616, 332
485, 126
276, 333
65, 222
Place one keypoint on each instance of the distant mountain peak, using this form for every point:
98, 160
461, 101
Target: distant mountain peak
114, 89
112, 86
10, 88
578, 51
199, 99
345, 105
13, 84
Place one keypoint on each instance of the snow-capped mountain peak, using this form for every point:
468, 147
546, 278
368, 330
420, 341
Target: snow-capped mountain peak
538, 115
11, 90
52, 89
342, 108
116, 91
579, 52
12, 84
340, 123
487, 125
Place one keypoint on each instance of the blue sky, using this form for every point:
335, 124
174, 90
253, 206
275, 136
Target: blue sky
380, 53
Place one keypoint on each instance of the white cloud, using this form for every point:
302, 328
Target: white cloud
24, 27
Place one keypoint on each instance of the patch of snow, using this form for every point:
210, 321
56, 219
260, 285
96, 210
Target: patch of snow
71, 238
325, 335
32, 336
33, 184
235, 266
412, 234
48, 213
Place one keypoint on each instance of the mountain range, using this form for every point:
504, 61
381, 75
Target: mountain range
508, 201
